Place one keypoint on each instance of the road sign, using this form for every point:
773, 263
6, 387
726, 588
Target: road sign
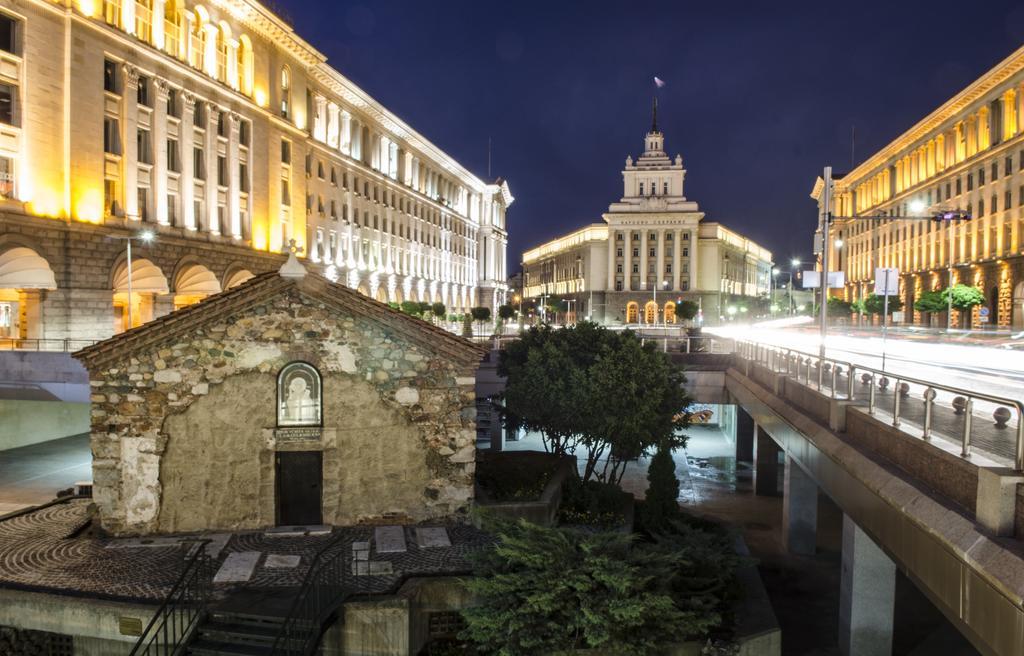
887, 282
812, 279
983, 311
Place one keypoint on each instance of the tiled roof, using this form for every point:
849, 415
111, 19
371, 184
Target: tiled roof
257, 291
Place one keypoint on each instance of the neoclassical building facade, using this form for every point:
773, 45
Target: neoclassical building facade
966, 155
221, 132
652, 249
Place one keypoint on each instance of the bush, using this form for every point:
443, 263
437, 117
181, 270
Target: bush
544, 590
515, 476
591, 503
661, 503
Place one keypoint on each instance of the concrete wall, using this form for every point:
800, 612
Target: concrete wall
56, 373
29, 422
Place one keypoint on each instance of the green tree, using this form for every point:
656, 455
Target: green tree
875, 304
858, 307
481, 314
424, 308
411, 307
543, 590
438, 310
506, 312
965, 298
585, 386
838, 308
931, 302
661, 501
687, 310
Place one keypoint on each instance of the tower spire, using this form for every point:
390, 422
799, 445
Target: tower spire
654, 115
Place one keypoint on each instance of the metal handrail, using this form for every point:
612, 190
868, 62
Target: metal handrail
322, 592
179, 614
769, 356
53, 345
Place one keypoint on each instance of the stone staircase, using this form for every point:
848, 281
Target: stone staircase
245, 623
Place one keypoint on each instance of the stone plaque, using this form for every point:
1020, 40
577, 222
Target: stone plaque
432, 536
129, 626
389, 539
298, 434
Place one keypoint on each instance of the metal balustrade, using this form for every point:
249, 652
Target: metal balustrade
827, 378
53, 345
177, 618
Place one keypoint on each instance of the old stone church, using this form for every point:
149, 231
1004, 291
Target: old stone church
288, 400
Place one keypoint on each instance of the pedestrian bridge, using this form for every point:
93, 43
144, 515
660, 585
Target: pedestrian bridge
928, 485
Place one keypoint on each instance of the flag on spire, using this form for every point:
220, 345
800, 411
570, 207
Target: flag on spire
658, 82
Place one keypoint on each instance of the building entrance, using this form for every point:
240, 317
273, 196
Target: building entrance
299, 483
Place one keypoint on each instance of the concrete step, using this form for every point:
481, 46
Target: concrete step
204, 647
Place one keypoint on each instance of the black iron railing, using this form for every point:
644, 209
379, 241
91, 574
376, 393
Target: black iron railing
179, 615
58, 345
323, 591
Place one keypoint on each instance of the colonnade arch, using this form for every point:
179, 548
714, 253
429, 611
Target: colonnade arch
192, 284
148, 281
24, 274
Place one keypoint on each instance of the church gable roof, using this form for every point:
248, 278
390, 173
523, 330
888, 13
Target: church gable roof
259, 290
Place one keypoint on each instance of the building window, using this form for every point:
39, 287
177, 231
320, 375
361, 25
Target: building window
222, 124
981, 177
110, 197
244, 133
9, 34
636, 268
111, 80
112, 12
222, 170
286, 91
145, 147
665, 189
6, 177
286, 194
143, 195
111, 136
243, 177
686, 252
1008, 165
686, 236
198, 164
641, 189
959, 187
652, 252
173, 156
618, 268
970, 181
618, 252
636, 252
8, 98
173, 106
618, 236
286, 152
142, 93
995, 171
172, 209
334, 177
199, 116
981, 207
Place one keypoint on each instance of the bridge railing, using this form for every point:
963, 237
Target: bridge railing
838, 379
52, 345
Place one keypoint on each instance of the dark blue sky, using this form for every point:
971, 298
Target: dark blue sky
760, 96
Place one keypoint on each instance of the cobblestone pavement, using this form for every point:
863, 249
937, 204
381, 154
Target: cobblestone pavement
41, 551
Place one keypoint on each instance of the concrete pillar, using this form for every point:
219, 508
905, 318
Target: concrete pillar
130, 145
677, 249
766, 464
643, 261
186, 185
613, 245
799, 510
659, 277
867, 592
627, 261
744, 435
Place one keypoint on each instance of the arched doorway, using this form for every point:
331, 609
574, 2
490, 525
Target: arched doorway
670, 312
651, 312
148, 281
632, 313
23, 275
194, 283
1018, 306
236, 278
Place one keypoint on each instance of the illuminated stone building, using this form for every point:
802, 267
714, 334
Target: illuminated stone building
969, 155
653, 239
216, 127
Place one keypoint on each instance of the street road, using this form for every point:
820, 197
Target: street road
992, 367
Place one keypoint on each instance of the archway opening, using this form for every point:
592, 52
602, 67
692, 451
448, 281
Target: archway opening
670, 312
23, 276
632, 313
194, 283
237, 278
651, 312
148, 281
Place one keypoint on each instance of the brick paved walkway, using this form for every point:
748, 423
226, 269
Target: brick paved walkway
40, 551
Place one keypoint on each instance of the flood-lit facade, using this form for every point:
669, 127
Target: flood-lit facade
966, 155
219, 129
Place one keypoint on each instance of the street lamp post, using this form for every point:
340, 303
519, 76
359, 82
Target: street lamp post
794, 263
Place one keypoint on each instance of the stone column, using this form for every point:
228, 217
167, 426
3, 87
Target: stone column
627, 261
799, 510
867, 591
677, 251
160, 89
745, 429
643, 262
612, 248
659, 267
211, 221
131, 146
234, 227
766, 464
186, 182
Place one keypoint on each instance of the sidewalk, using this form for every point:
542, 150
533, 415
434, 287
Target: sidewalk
32, 475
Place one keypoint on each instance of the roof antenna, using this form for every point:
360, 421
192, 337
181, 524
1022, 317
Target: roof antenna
654, 115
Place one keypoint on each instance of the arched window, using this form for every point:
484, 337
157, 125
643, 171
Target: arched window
670, 312
174, 29
299, 395
651, 312
286, 91
197, 45
245, 65
223, 46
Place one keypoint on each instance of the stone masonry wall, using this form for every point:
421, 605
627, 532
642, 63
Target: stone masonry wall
183, 437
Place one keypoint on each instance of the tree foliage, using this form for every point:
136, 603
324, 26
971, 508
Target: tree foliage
838, 308
585, 386
438, 310
875, 304
965, 297
661, 501
543, 590
506, 312
411, 307
929, 302
687, 310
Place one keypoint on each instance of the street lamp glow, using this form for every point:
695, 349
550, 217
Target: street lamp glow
776, 271
795, 262
146, 235
839, 243
917, 206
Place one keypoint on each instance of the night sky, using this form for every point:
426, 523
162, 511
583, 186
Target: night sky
759, 97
